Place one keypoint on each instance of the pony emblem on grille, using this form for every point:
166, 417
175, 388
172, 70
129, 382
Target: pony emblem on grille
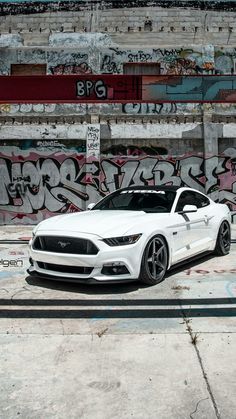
63, 244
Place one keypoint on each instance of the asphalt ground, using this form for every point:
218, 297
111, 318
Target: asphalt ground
117, 351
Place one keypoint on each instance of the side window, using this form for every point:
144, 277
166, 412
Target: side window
186, 198
201, 200
191, 198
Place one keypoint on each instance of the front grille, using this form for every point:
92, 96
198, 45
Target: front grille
60, 244
65, 269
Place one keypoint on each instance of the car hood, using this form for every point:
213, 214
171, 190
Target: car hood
102, 223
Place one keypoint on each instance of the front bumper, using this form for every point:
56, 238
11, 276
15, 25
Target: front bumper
110, 264
88, 281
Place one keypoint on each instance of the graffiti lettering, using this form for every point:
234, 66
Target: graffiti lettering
82, 68
109, 66
19, 185
93, 140
49, 185
42, 186
139, 57
52, 143
89, 87
168, 52
182, 66
206, 272
149, 108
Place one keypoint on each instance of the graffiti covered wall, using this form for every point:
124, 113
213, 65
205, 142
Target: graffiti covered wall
86, 54
190, 60
79, 53
38, 182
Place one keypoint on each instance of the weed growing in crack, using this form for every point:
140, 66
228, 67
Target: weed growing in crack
102, 332
194, 338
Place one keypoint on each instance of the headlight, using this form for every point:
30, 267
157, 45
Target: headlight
123, 240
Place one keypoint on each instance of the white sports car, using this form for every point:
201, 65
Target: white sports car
133, 233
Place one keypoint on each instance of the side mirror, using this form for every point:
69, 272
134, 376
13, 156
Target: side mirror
189, 208
90, 206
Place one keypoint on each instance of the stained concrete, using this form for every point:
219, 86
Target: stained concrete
121, 351
144, 376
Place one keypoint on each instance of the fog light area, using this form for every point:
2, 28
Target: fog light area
114, 269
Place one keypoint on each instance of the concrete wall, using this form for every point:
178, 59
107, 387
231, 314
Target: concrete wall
168, 26
46, 163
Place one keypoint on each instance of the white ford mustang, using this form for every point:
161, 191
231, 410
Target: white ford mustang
133, 233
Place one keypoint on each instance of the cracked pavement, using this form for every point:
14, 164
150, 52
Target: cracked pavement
117, 351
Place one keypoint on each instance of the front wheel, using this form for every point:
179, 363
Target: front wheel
223, 241
154, 261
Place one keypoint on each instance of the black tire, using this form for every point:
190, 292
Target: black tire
154, 261
223, 241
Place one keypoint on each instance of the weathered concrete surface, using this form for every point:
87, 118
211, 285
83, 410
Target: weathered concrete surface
121, 351
122, 130
144, 376
220, 369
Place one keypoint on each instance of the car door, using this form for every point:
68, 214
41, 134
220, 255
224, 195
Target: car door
190, 231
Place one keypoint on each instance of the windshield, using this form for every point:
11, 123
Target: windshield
138, 200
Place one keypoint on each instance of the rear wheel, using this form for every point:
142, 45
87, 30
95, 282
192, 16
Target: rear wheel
223, 239
154, 261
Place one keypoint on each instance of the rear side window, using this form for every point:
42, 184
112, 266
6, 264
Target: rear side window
191, 198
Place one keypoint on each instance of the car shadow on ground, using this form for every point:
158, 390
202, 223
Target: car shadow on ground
110, 304
114, 288
83, 288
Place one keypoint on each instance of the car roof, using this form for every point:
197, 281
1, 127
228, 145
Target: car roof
151, 188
